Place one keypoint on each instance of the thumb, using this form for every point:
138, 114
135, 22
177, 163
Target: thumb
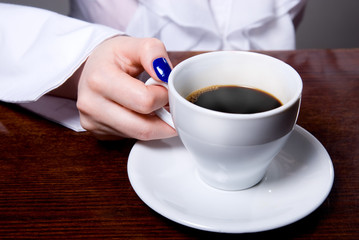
162, 68
155, 59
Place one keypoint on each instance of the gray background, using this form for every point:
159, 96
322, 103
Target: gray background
326, 23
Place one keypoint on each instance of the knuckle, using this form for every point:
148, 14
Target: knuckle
85, 110
82, 105
95, 82
86, 124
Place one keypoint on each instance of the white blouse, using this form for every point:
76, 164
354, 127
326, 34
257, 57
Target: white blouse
199, 24
40, 49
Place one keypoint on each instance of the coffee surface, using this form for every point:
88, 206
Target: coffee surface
234, 99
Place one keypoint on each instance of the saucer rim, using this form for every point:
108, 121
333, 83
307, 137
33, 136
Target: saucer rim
162, 211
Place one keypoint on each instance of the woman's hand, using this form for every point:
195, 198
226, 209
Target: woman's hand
112, 102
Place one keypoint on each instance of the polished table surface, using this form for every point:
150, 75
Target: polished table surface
56, 183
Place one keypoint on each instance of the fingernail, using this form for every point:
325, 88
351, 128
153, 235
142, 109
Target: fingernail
162, 69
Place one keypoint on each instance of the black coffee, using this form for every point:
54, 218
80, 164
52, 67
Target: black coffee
234, 99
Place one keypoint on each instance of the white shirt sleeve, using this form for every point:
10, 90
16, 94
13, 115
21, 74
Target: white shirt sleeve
40, 49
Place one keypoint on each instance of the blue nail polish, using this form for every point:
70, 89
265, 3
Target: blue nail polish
162, 69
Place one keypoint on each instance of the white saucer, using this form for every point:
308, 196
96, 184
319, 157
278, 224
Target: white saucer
297, 182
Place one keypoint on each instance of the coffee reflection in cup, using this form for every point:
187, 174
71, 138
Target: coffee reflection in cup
234, 99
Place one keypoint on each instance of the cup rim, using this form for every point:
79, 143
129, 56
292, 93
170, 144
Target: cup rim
284, 107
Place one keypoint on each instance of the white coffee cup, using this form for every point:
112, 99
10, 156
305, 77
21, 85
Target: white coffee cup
232, 151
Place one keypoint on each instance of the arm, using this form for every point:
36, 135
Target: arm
40, 49
47, 49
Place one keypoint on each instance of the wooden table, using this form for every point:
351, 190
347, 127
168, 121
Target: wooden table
56, 183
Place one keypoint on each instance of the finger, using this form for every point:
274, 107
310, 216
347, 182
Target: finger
139, 126
100, 131
152, 55
142, 52
114, 120
155, 59
132, 93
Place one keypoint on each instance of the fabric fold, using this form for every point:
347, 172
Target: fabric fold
175, 24
42, 49
191, 24
272, 28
